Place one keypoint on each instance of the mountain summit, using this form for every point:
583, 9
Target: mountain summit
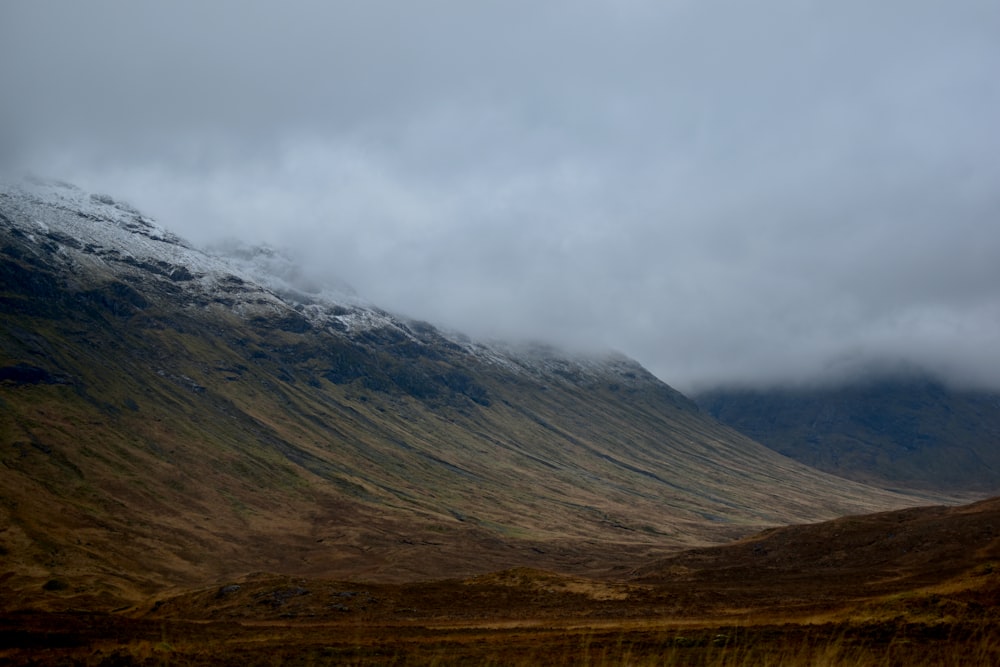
169, 417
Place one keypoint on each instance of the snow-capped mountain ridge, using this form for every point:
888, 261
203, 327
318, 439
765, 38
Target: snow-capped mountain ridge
106, 238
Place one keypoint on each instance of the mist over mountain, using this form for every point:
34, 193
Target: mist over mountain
768, 194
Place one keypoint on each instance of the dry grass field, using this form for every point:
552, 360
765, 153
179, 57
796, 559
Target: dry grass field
913, 587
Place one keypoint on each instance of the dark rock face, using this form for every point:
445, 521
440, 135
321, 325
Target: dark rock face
116, 298
28, 374
28, 289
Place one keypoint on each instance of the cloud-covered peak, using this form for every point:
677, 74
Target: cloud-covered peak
734, 193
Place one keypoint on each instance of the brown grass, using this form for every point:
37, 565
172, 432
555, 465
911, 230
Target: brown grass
826, 594
696, 643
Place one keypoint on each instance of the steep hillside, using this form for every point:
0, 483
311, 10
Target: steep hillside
170, 417
898, 432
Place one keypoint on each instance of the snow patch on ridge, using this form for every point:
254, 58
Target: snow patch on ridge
111, 238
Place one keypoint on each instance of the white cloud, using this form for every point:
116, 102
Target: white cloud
726, 191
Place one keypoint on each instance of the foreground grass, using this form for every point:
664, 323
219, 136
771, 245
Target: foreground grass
880, 644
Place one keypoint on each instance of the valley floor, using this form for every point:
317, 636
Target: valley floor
104, 640
911, 587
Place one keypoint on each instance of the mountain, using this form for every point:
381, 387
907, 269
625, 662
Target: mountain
900, 431
170, 417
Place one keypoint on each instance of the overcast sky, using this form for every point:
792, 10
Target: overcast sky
727, 191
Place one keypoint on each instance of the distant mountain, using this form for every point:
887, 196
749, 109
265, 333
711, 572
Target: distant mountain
170, 417
910, 432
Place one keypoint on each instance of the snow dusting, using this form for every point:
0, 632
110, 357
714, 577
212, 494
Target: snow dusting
106, 239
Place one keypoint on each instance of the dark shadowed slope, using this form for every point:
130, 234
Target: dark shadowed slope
899, 432
884, 564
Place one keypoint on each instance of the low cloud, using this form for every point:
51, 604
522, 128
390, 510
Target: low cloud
780, 192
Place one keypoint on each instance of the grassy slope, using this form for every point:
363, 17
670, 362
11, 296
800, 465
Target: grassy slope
159, 443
